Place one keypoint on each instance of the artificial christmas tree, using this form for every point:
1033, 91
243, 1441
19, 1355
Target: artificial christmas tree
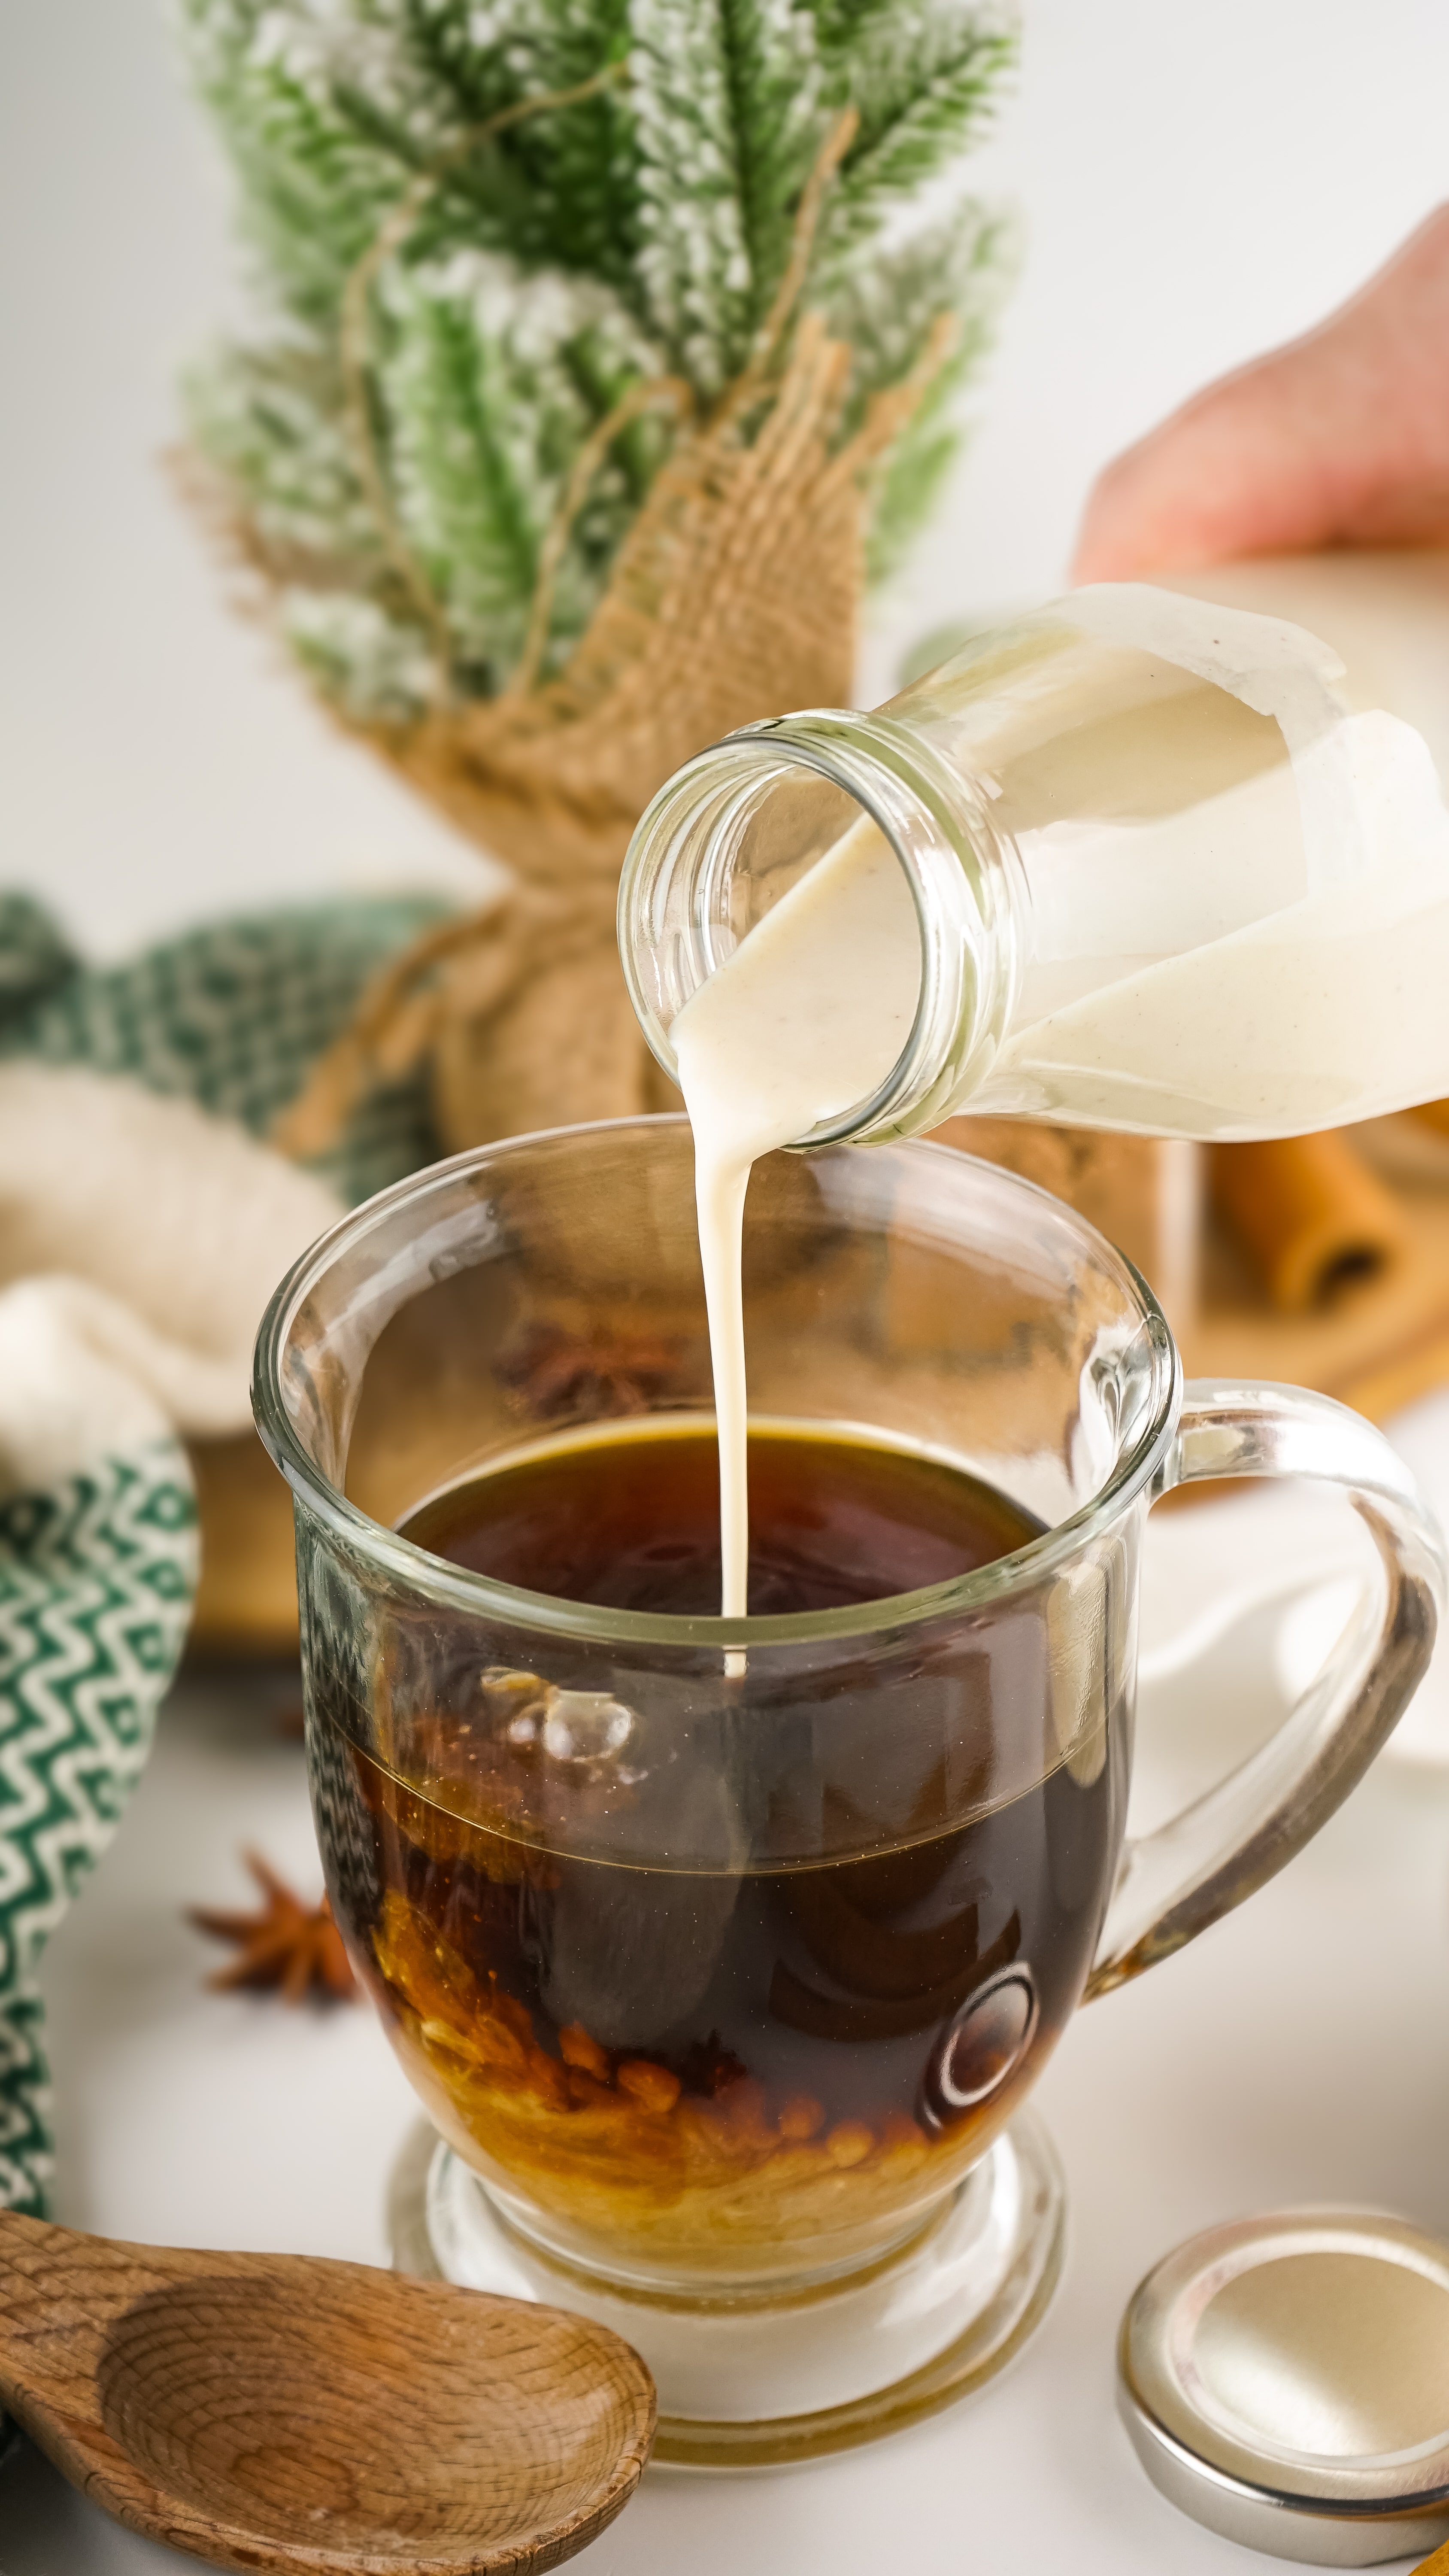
605, 347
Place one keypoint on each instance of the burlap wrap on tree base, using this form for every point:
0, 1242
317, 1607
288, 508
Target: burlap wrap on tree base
734, 597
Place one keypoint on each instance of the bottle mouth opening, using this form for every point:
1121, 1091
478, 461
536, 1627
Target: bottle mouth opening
744, 821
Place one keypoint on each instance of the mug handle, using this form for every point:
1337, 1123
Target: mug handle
1173, 1883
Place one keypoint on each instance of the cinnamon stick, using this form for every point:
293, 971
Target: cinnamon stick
1309, 1212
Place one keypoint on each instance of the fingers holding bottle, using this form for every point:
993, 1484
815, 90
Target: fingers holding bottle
1340, 438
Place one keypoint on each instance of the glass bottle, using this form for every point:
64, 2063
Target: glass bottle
1177, 855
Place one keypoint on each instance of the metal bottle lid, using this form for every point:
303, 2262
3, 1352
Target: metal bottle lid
1285, 2380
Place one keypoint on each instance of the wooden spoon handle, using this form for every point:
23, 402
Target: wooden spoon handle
60, 2294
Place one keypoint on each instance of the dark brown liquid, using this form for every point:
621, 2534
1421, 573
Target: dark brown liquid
721, 2047
633, 1523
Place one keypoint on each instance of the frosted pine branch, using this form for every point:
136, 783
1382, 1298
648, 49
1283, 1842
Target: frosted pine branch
640, 231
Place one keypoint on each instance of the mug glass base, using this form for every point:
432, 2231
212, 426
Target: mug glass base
756, 2379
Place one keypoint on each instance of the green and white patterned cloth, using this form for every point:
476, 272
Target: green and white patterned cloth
96, 1578
143, 1222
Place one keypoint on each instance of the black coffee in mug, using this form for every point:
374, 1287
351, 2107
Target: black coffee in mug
692, 2051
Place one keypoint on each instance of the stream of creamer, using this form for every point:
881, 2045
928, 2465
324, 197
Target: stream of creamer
805, 1019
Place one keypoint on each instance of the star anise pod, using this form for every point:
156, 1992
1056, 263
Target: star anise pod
598, 1373
285, 1944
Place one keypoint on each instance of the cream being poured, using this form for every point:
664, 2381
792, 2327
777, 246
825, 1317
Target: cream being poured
804, 1020
1262, 959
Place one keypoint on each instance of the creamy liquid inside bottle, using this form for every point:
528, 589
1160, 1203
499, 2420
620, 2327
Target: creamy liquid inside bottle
1269, 960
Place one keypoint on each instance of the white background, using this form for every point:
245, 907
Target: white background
1194, 182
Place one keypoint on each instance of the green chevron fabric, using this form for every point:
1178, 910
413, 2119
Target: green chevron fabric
98, 1572
96, 1581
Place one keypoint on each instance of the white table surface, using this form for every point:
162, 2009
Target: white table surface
1298, 2053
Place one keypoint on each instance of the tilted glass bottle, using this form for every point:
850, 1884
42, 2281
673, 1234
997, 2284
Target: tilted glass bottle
1177, 855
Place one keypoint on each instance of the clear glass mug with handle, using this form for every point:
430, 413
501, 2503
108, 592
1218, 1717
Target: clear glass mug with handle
724, 1955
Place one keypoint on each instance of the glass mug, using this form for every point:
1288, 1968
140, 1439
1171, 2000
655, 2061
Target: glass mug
723, 1953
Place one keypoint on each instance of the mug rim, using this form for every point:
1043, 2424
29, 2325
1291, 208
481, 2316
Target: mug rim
458, 1588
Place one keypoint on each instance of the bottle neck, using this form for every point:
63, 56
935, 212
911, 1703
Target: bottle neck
732, 829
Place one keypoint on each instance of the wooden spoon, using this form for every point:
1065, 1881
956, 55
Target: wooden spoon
272, 2412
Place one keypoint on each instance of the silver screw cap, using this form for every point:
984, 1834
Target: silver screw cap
1285, 2380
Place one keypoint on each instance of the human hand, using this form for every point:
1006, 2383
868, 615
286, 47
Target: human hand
1339, 439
